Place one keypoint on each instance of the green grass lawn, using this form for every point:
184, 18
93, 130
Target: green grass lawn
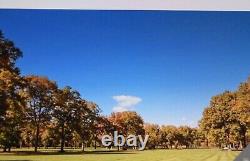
147, 155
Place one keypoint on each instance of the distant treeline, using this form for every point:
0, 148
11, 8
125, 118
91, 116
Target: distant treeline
34, 112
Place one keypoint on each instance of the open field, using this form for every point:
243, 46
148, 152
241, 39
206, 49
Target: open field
148, 155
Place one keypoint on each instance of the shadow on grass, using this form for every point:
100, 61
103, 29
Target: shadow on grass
24, 153
110, 152
14, 160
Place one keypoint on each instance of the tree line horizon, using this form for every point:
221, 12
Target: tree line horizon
35, 112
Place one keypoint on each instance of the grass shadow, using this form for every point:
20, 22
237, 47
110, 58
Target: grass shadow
14, 160
25, 153
110, 152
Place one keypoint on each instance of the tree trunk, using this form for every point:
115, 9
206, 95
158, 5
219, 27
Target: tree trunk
82, 147
118, 147
74, 144
9, 149
62, 138
240, 146
95, 142
244, 141
207, 142
4, 149
243, 133
37, 137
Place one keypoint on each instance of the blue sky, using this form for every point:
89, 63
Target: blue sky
164, 65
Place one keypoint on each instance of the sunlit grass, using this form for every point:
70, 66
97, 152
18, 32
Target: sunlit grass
147, 155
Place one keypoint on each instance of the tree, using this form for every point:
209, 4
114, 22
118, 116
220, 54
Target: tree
218, 118
153, 130
11, 102
169, 136
65, 110
127, 122
103, 127
86, 122
51, 135
187, 136
39, 93
227, 119
242, 110
9, 74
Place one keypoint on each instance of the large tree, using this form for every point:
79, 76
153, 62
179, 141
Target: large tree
127, 122
11, 101
39, 98
218, 119
226, 121
86, 122
65, 110
9, 74
242, 110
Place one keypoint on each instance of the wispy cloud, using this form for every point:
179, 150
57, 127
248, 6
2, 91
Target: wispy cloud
125, 102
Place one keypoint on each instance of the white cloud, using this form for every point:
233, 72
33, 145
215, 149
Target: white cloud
125, 102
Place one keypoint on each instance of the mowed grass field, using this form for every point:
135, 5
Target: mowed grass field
147, 155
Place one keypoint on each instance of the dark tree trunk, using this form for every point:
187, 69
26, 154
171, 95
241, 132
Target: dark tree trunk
95, 141
37, 137
244, 141
62, 138
207, 142
4, 149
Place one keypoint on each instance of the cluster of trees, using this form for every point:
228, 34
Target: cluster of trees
169, 136
226, 121
35, 112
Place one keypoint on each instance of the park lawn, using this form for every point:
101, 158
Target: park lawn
147, 155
